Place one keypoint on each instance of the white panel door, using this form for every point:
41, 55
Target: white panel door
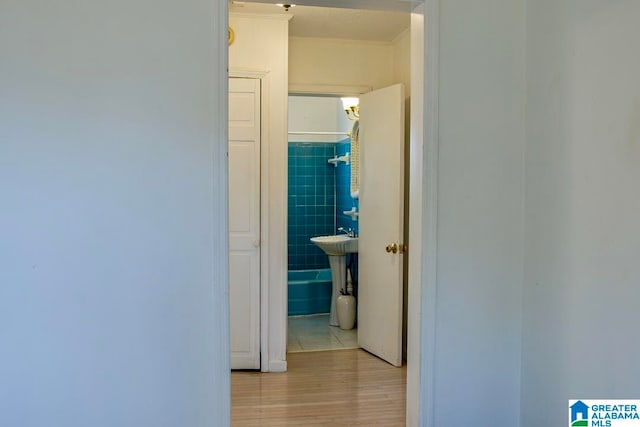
381, 223
244, 222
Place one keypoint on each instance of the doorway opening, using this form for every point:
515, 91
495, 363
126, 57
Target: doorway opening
275, 328
329, 59
321, 302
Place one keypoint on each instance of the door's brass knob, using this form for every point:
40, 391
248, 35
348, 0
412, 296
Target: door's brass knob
396, 248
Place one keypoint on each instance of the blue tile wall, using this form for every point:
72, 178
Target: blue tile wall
344, 202
312, 203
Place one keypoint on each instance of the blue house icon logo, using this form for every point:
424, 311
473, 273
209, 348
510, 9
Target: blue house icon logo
579, 414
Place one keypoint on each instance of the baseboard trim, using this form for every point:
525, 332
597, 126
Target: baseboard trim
277, 366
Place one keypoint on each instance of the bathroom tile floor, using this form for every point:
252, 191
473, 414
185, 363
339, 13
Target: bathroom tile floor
313, 333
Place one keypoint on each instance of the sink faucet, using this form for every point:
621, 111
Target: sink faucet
349, 232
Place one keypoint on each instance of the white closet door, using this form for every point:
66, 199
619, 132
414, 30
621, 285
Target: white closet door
244, 222
381, 223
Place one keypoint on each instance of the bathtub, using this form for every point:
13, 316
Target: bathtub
309, 291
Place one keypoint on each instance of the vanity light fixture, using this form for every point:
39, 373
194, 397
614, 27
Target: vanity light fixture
350, 106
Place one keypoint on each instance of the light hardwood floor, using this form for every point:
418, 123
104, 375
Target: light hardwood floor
325, 388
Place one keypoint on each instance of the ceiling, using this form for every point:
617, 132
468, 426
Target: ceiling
327, 22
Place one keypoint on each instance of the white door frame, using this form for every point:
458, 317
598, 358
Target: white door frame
422, 339
425, 232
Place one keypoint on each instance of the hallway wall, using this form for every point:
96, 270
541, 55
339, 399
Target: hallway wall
331, 62
480, 199
260, 46
336, 62
112, 309
582, 206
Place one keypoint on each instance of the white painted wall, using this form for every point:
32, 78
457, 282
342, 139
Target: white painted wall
317, 114
113, 189
402, 60
261, 46
331, 62
475, 371
350, 63
582, 206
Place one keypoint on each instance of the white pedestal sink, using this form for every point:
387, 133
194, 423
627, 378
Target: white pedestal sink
336, 247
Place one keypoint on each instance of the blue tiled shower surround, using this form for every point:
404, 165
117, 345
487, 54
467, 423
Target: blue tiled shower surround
312, 203
318, 194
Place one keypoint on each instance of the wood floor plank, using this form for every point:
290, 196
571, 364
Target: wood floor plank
325, 388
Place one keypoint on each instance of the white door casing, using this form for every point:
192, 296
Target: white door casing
244, 222
381, 223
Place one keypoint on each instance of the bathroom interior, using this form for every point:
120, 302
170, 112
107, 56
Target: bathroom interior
321, 202
329, 53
